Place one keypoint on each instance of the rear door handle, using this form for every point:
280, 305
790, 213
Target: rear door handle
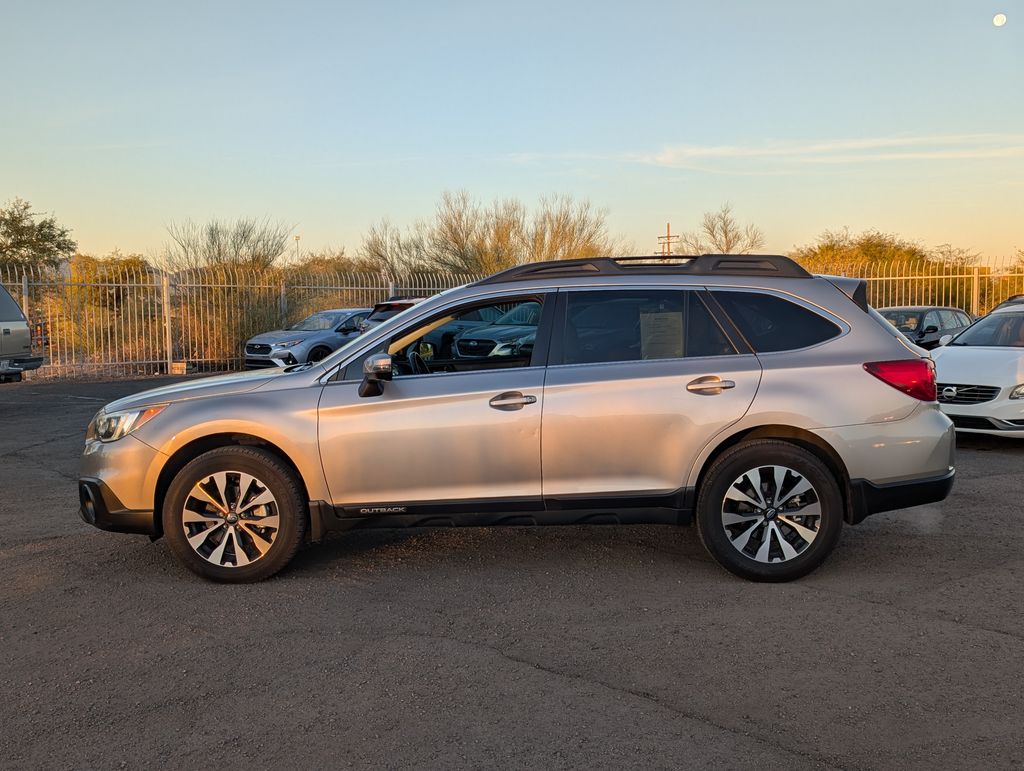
709, 385
7, 331
511, 400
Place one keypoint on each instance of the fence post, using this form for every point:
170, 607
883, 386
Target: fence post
976, 291
283, 305
24, 295
165, 281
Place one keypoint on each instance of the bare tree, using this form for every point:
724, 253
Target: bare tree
254, 244
720, 233
564, 229
386, 249
466, 236
955, 256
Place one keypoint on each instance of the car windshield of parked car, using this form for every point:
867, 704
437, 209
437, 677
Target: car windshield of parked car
1000, 330
318, 322
526, 314
899, 319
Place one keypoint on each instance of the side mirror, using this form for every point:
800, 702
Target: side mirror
944, 340
376, 370
931, 329
346, 329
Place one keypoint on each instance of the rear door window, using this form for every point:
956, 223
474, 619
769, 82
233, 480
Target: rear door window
635, 325
771, 323
9, 310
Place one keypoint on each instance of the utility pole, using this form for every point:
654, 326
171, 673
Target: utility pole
667, 241
297, 237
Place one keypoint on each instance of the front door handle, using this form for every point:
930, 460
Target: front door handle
709, 385
511, 400
7, 331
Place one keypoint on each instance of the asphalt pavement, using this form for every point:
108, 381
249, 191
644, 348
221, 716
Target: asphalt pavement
513, 648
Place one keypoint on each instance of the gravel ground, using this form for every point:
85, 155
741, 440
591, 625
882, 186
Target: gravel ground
546, 647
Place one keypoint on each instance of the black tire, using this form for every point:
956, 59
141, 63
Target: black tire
755, 457
14, 377
318, 353
271, 473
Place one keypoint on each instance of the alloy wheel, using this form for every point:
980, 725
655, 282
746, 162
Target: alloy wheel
771, 514
230, 518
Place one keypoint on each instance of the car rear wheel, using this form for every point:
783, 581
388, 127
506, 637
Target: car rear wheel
769, 511
234, 514
14, 377
317, 354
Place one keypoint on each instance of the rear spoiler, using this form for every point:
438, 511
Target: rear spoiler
854, 288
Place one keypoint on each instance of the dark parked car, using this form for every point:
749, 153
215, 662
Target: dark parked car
1014, 299
512, 334
924, 325
381, 312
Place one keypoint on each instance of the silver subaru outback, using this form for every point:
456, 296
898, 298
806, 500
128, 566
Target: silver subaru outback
768, 405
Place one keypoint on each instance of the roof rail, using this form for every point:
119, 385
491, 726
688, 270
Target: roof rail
695, 265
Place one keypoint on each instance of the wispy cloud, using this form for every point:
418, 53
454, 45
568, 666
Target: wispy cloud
759, 156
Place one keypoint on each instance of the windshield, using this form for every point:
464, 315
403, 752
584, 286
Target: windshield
526, 314
909, 319
1000, 330
318, 322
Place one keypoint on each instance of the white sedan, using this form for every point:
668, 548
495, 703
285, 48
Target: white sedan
980, 375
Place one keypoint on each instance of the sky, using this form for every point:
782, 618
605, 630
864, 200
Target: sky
905, 116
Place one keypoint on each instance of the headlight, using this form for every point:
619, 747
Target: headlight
109, 427
289, 344
1018, 392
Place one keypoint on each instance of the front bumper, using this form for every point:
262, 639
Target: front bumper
276, 359
101, 508
868, 498
1002, 416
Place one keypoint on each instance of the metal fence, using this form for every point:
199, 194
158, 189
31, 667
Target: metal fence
136, 322
109, 322
973, 288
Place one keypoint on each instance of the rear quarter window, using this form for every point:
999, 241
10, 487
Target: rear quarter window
771, 323
9, 310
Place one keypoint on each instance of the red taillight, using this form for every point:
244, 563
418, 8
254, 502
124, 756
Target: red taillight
914, 377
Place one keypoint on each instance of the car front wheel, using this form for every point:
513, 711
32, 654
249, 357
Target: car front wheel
234, 514
769, 511
317, 354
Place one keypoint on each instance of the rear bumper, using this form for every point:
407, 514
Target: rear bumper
868, 498
20, 365
101, 508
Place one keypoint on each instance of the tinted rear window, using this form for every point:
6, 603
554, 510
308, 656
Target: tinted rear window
9, 310
771, 323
